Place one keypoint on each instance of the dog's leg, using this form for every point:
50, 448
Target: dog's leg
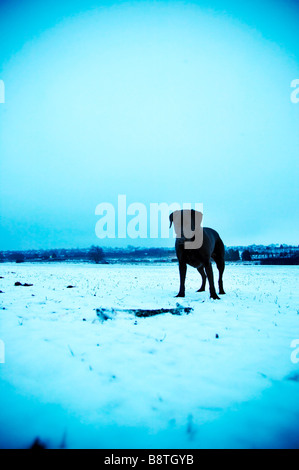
183, 270
220, 266
203, 279
209, 272
220, 263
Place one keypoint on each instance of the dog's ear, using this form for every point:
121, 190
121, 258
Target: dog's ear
171, 219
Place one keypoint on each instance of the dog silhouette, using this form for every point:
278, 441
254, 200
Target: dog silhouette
197, 246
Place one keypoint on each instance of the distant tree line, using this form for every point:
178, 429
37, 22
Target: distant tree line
232, 255
292, 260
95, 254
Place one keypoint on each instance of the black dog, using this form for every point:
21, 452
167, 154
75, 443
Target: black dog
211, 246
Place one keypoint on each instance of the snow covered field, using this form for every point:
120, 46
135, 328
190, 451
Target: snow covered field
218, 377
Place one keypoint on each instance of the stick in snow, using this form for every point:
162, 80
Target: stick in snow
107, 314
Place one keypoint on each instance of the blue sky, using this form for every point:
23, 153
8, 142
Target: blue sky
160, 101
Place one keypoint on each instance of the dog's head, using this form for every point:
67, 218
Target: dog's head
187, 226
